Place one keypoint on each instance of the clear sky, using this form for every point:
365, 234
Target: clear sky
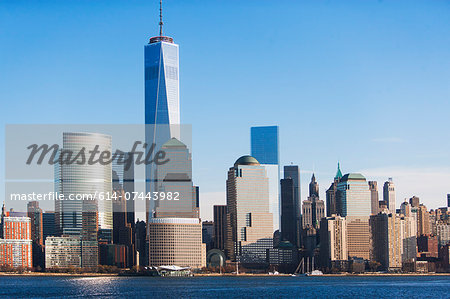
363, 82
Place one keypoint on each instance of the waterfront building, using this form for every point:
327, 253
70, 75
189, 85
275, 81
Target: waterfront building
374, 200
176, 241
387, 237
220, 226
333, 241
265, 149
389, 195
16, 244
427, 246
63, 252
83, 179
291, 218
331, 194
250, 222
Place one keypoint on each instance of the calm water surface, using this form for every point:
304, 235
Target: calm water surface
223, 287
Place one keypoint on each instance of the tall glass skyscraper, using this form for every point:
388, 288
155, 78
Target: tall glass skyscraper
162, 99
265, 149
81, 179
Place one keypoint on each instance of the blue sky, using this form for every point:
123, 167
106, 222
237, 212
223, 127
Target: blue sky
363, 82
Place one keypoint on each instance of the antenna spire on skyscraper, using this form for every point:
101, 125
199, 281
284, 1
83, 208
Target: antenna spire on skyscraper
160, 18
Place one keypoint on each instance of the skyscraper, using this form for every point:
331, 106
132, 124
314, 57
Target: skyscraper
220, 226
331, 194
85, 181
35, 215
265, 149
374, 201
162, 98
293, 172
387, 240
313, 208
448, 200
48, 224
389, 195
353, 196
353, 202
175, 178
250, 225
333, 240
288, 212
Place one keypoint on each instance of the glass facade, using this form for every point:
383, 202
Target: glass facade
81, 180
264, 147
162, 99
264, 144
353, 196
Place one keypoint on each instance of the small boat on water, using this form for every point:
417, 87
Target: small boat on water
314, 273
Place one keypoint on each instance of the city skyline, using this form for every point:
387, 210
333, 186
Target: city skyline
392, 141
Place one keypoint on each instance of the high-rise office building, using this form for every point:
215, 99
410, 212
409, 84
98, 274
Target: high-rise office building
162, 99
123, 178
288, 213
358, 237
37, 233
250, 222
265, 149
423, 221
333, 240
293, 172
353, 202
123, 231
140, 237
387, 240
332, 192
353, 197
414, 201
374, 201
48, 224
84, 180
35, 214
389, 194
448, 200
208, 234
220, 226
313, 209
175, 179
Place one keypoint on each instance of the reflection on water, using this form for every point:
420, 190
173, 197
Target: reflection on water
232, 287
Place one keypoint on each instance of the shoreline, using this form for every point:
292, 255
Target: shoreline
37, 274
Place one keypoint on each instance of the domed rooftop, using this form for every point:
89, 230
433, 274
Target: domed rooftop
246, 160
